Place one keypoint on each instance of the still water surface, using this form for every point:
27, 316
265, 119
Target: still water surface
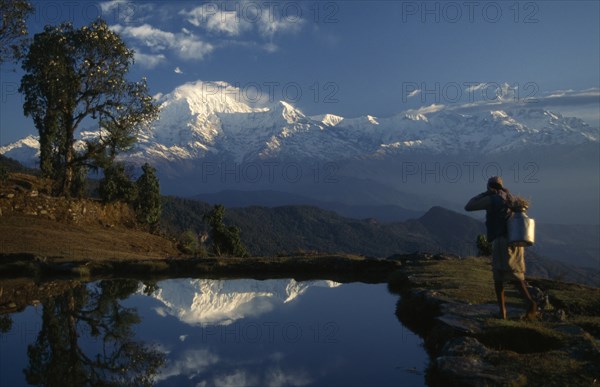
194, 332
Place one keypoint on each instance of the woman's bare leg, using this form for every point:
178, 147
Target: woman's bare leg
498, 286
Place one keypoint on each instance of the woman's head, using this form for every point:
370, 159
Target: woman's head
495, 182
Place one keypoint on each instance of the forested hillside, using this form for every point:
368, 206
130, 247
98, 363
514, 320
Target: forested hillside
289, 230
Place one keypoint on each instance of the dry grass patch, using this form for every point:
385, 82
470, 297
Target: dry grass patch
69, 242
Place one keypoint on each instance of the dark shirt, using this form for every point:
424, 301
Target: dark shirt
496, 211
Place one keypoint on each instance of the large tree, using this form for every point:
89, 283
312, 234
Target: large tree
75, 77
13, 29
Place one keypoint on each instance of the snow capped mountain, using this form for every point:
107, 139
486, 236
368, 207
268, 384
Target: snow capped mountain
328, 119
214, 119
26, 150
216, 302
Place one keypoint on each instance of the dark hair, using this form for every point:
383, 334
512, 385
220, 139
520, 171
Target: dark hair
495, 185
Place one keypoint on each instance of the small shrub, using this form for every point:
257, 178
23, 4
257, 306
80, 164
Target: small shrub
226, 240
189, 244
484, 247
117, 185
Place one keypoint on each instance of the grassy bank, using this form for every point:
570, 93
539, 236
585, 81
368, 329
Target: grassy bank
342, 268
65, 242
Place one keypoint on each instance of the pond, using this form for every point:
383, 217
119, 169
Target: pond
201, 332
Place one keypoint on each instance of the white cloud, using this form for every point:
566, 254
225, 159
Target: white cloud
148, 61
237, 378
427, 109
236, 18
593, 92
476, 87
110, 6
209, 17
270, 47
187, 46
191, 48
414, 93
493, 91
178, 70
226, 22
213, 18
218, 25
269, 27
197, 16
149, 36
126, 11
273, 377
276, 377
191, 363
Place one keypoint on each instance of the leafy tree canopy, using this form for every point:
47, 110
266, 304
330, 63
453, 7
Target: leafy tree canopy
13, 29
74, 76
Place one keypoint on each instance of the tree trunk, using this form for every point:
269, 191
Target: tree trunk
46, 145
69, 167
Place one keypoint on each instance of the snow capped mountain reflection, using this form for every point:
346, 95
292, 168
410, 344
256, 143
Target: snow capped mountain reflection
219, 302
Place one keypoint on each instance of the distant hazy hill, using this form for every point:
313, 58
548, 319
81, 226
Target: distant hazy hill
11, 165
575, 244
271, 198
294, 229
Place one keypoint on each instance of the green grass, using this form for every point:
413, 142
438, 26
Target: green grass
575, 299
521, 336
468, 280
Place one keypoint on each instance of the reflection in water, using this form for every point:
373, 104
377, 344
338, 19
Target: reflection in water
216, 302
57, 358
211, 333
5, 323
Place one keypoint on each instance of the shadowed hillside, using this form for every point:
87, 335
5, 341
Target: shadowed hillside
290, 230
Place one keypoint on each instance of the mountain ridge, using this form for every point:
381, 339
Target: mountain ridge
199, 119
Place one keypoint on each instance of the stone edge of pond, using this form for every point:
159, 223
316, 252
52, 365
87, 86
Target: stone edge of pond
452, 332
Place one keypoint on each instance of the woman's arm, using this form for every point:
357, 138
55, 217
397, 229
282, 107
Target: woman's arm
483, 201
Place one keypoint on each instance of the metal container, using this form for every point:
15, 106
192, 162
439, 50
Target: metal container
521, 230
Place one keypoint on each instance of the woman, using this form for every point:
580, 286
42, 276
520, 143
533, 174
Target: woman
508, 262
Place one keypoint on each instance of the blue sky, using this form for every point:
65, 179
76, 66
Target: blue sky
348, 58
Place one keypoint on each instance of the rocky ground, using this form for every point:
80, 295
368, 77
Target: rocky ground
450, 302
